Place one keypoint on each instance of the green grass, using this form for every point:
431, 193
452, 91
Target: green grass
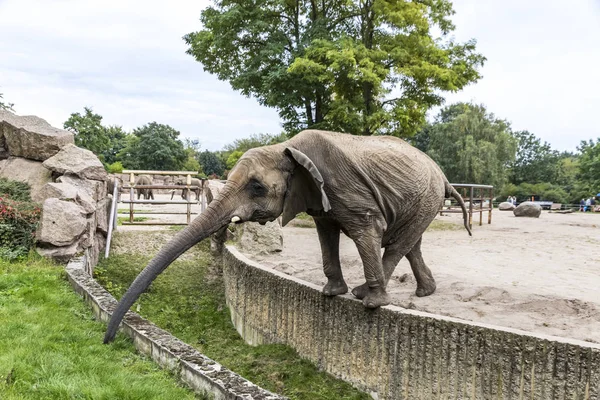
120, 220
51, 348
189, 301
437, 225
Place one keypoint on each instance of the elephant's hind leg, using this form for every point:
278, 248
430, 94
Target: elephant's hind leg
329, 237
425, 281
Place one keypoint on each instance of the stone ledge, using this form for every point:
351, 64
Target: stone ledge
199, 372
395, 353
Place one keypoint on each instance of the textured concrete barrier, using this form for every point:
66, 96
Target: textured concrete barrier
199, 372
394, 353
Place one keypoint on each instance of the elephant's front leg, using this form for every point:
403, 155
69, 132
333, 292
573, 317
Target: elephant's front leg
373, 294
329, 236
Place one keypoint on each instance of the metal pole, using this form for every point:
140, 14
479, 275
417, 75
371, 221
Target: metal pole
187, 197
131, 195
113, 213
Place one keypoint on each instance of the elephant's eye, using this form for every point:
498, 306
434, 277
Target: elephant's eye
256, 188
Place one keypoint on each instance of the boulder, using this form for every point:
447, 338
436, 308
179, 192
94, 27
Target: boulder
528, 209
62, 223
76, 161
92, 253
31, 137
59, 254
506, 206
23, 170
62, 191
103, 214
260, 239
95, 189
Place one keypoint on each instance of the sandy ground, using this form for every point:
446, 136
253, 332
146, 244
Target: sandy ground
540, 275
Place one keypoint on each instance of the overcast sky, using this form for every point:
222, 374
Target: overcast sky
127, 61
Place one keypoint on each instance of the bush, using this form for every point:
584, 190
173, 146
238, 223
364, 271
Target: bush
115, 168
19, 218
546, 191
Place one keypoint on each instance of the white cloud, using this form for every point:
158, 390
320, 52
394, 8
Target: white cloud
126, 59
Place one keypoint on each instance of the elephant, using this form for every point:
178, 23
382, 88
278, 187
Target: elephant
379, 191
147, 193
195, 182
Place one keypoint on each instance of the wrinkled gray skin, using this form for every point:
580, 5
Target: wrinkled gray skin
378, 190
147, 193
195, 182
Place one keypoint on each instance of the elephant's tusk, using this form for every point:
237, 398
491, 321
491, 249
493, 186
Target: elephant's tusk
235, 219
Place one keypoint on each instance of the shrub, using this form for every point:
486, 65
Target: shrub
115, 168
19, 218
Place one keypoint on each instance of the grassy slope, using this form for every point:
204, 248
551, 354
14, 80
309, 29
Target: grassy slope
51, 348
190, 304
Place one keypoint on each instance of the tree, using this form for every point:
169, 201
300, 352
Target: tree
472, 145
192, 151
358, 66
233, 158
6, 106
154, 146
117, 140
255, 140
589, 166
535, 161
89, 132
211, 164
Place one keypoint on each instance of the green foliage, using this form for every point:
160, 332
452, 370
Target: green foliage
233, 158
211, 163
115, 168
524, 191
104, 142
51, 346
192, 151
154, 146
363, 67
471, 145
255, 140
19, 218
589, 165
189, 302
6, 106
535, 161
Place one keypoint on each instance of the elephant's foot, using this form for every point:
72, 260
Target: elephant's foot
360, 292
335, 287
376, 297
425, 288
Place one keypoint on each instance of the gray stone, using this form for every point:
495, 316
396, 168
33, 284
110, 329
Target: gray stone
62, 191
59, 254
528, 209
23, 170
259, 239
95, 189
31, 137
506, 206
76, 161
62, 222
92, 253
102, 214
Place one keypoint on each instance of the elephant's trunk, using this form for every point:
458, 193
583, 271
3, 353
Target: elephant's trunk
217, 215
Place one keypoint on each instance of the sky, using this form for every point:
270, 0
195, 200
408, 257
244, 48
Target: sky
126, 60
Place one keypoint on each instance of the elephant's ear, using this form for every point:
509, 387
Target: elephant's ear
305, 189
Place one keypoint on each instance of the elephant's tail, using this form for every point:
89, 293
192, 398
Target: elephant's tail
451, 192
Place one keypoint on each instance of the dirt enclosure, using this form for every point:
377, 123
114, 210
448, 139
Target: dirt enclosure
540, 275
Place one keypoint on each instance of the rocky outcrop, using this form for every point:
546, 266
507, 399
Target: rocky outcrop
29, 171
31, 137
528, 209
76, 161
506, 206
62, 223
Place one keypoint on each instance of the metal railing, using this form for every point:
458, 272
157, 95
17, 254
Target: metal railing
472, 193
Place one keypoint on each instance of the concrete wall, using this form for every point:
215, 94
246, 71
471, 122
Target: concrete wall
394, 353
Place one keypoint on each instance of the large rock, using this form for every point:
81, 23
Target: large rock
62, 223
76, 161
66, 191
506, 206
95, 189
59, 254
31, 137
260, 239
528, 209
32, 172
102, 214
